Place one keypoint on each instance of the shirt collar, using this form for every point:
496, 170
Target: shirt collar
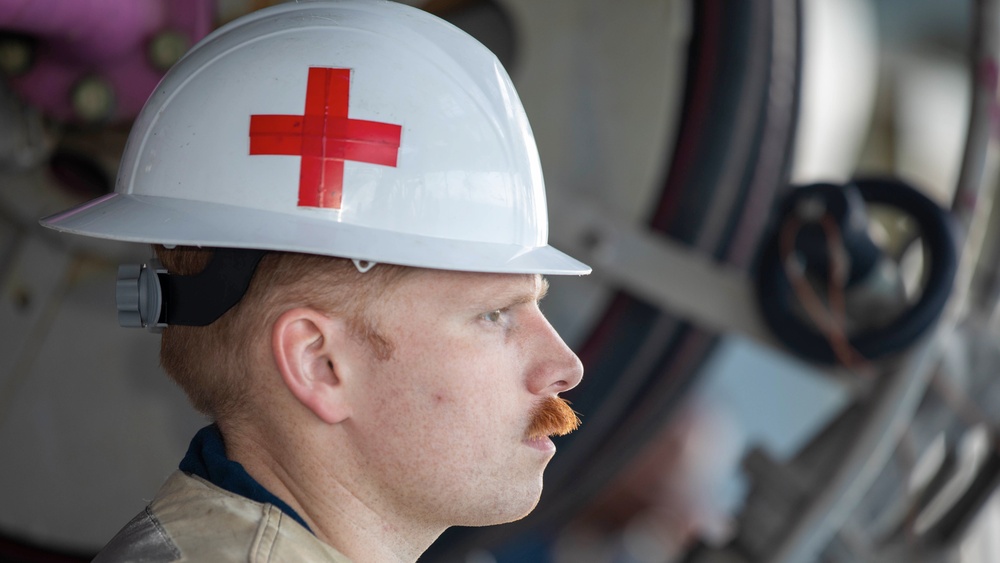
206, 458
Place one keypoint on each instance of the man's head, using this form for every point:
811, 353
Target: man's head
334, 136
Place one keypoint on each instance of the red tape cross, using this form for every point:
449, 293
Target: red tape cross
325, 137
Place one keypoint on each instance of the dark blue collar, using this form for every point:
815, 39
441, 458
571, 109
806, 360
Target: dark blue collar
206, 458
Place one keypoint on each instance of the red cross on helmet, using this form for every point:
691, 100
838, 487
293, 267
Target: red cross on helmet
365, 130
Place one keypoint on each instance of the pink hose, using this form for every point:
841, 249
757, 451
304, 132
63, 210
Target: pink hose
91, 30
106, 39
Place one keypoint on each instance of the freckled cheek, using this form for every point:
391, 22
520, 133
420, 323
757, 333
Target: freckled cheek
468, 410
458, 377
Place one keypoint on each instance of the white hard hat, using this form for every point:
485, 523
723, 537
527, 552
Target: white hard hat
360, 129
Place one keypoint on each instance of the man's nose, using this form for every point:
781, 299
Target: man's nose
557, 367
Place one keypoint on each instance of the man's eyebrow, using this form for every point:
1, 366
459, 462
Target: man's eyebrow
522, 298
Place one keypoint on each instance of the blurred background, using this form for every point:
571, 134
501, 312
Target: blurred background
790, 335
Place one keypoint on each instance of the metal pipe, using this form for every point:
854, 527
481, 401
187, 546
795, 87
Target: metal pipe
977, 179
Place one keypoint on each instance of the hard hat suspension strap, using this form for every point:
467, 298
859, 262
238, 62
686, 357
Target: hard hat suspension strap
149, 296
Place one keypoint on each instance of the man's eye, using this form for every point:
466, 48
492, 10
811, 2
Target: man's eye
494, 316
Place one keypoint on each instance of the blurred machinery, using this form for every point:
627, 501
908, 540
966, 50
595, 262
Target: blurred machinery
790, 350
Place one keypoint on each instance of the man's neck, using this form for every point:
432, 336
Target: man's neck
338, 508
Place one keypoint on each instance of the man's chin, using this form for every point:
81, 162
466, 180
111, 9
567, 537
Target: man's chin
511, 511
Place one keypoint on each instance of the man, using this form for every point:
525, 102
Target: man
349, 216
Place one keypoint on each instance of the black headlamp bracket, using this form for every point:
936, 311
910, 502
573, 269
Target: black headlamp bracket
147, 296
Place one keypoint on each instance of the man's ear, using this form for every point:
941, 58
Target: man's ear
310, 349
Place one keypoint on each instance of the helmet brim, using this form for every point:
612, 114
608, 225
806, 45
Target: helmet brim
180, 222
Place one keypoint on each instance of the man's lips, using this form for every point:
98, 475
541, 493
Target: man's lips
542, 443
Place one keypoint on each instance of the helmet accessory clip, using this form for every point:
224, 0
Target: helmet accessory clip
149, 296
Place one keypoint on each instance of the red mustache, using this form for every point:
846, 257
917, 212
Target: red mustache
553, 417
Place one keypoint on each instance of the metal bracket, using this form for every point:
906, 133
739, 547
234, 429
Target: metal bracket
138, 295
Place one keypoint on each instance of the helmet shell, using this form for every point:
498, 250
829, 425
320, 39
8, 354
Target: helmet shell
359, 129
